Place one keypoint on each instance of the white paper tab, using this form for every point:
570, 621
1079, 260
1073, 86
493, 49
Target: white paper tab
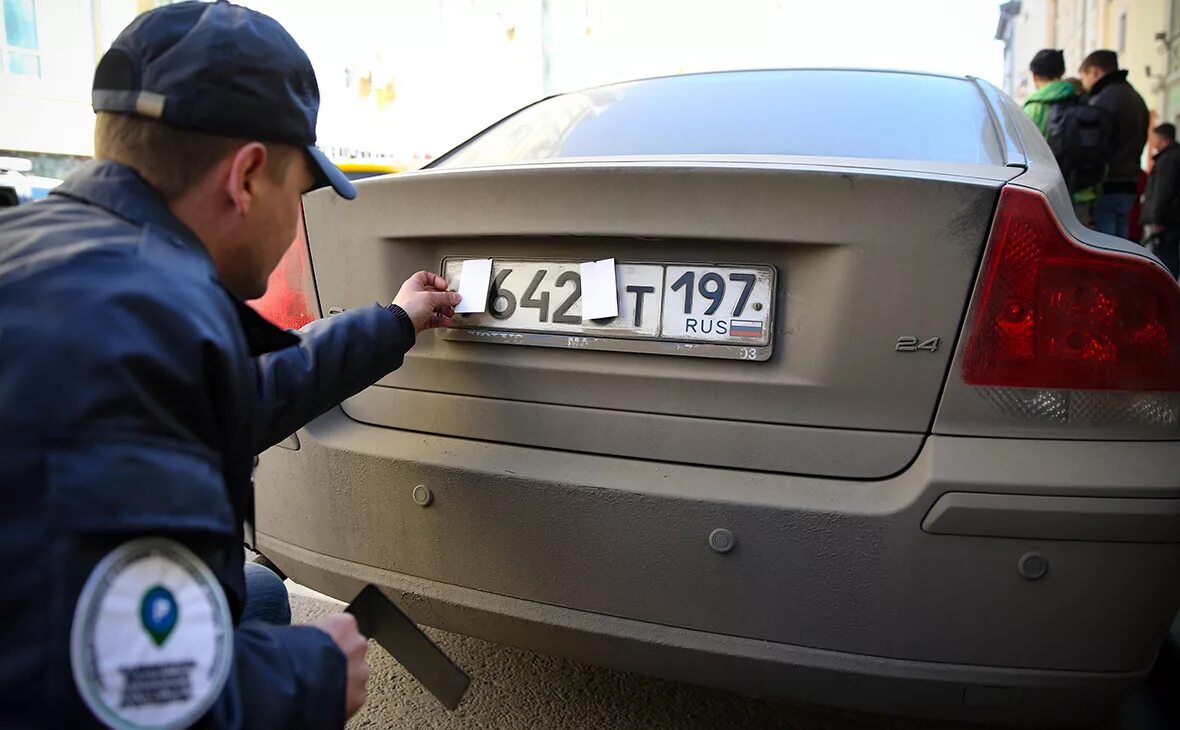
600, 297
474, 281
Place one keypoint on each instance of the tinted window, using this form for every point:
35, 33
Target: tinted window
814, 113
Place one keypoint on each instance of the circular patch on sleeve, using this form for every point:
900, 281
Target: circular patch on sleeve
152, 638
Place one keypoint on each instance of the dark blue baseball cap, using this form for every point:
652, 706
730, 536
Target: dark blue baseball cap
217, 68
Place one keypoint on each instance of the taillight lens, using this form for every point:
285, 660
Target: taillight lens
290, 300
1050, 312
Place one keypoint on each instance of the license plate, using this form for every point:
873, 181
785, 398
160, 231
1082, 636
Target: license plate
699, 310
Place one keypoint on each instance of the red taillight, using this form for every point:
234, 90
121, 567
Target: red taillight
289, 301
1050, 312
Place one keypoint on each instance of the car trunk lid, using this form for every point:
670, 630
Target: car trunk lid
871, 272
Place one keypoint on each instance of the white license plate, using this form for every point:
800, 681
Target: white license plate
695, 309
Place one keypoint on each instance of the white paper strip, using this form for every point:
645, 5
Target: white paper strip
600, 297
474, 281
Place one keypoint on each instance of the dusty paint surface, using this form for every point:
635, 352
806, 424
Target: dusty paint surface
514, 689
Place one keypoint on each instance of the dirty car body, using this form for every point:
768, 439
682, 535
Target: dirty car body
933, 472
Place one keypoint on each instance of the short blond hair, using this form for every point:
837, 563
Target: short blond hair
170, 159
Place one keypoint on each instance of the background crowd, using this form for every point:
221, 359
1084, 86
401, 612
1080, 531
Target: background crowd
1098, 126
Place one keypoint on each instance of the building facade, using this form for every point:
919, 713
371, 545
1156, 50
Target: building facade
1024, 30
48, 49
399, 81
1171, 66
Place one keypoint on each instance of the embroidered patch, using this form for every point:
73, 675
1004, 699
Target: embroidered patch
152, 638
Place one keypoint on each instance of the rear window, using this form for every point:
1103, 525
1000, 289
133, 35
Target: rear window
813, 113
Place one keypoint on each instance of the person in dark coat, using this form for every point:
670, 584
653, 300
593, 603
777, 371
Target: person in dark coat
136, 388
1109, 90
1161, 199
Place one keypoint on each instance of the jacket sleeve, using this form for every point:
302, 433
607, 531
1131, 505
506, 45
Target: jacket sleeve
283, 677
336, 358
1038, 112
113, 488
1109, 105
138, 456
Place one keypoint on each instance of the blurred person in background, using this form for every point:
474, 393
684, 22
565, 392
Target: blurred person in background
1161, 199
1110, 91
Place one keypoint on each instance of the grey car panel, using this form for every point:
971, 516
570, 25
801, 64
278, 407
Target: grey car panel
1014, 697
851, 282
838, 565
728, 443
1105, 519
1007, 118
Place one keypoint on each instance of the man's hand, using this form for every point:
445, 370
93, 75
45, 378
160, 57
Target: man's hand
342, 628
425, 298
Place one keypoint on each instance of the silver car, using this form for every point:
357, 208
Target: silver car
877, 424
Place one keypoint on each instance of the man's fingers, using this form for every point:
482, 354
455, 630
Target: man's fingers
440, 299
429, 280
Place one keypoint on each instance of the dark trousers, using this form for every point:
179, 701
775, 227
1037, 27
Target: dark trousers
1168, 249
1111, 214
266, 597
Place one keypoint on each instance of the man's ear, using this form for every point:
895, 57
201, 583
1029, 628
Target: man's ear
247, 165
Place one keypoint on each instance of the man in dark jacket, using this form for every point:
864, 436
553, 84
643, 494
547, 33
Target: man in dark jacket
1161, 199
1109, 90
136, 388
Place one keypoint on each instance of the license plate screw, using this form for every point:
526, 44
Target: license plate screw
500, 305
757, 306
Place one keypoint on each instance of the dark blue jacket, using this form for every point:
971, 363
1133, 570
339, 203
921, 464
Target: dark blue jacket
134, 393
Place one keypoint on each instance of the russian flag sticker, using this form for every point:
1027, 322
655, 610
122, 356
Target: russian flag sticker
745, 328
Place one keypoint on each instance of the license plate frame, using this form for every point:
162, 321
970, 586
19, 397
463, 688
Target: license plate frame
631, 343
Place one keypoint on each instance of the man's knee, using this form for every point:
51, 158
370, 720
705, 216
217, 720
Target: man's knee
266, 596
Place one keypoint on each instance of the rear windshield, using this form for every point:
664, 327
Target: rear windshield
814, 113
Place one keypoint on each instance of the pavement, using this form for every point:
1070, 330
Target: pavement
512, 688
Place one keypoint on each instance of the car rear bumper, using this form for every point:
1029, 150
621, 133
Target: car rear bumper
834, 593
748, 666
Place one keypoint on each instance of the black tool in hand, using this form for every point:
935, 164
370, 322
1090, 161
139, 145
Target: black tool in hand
378, 618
